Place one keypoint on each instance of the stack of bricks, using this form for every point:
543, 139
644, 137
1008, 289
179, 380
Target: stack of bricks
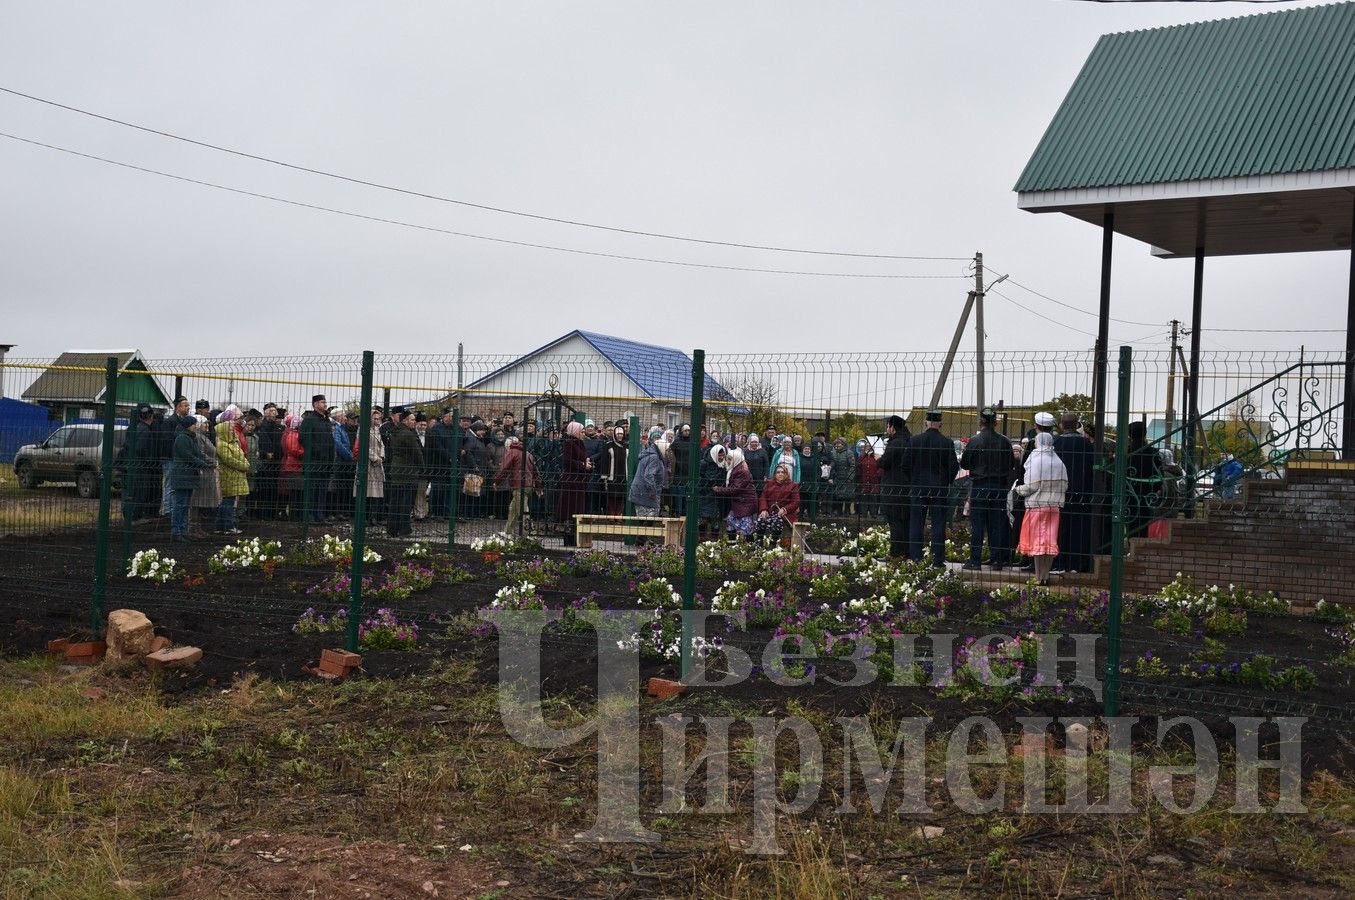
1291, 536
336, 664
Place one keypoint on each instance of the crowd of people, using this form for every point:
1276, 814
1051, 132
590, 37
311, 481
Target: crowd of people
1038, 496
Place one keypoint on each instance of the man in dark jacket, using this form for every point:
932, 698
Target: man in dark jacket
139, 462
438, 453
317, 440
1079, 506
932, 466
165, 433
403, 474
270, 463
894, 500
988, 457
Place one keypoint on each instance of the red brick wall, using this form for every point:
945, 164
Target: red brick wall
1295, 537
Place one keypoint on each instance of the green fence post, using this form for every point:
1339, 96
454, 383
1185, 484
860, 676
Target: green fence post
454, 489
693, 507
360, 504
632, 460
96, 610
1117, 520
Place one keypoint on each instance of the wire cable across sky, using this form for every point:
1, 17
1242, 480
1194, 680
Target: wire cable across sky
464, 234
467, 203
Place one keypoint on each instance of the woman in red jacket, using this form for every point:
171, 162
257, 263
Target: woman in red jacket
289, 478
574, 469
780, 505
738, 487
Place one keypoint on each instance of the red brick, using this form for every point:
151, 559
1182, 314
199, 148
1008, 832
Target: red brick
58, 646
343, 658
177, 658
665, 689
161, 643
85, 653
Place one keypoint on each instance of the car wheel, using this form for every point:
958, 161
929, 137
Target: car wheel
87, 484
28, 479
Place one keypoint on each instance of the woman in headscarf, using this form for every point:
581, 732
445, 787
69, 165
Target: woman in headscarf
376, 468
290, 483
232, 470
742, 495
207, 495
612, 462
575, 467
1043, 487
1145, 482
779, 506
867, 479
842, 476
786, 455
712, 474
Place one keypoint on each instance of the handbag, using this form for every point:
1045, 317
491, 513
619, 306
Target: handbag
472, 484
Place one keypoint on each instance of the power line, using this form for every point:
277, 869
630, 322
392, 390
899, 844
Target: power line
466, 203
1280, 330
464, 234
1085, 312
1070, 327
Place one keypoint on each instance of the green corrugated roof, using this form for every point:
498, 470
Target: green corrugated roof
1257, 95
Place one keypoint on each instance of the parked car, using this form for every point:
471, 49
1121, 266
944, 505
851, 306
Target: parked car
72, 453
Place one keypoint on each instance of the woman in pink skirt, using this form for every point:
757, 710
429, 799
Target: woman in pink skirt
1045, 485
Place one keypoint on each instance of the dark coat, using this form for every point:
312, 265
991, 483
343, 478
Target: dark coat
932, 463
188, 463
894, 465
757, 461
474, 456
270, 442
438, 451
406, 456
1079, 458
317, 439
988, 457
573, 494
712, 474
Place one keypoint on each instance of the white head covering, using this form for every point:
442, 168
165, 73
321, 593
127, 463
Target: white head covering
1043, 464
733, 459
715, 451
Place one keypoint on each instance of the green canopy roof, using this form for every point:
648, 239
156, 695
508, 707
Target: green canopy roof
1265, 94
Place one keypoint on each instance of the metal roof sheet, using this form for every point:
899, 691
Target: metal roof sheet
661, 372
1265, 94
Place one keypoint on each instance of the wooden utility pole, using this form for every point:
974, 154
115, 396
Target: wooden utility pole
1171, 382
973, 301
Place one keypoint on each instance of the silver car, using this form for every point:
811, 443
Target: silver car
72, 453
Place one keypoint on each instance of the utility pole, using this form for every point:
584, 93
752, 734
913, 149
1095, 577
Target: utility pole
1171, 382
974, 299
978, 328
460, 365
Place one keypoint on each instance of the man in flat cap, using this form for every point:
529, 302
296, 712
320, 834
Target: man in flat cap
317, 440
933, 466
894, 487
139, 463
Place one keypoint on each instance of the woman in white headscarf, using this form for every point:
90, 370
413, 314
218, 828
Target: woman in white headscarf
1043, 489
738, 489
712, 473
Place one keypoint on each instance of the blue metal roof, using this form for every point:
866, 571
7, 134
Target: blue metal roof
662, 373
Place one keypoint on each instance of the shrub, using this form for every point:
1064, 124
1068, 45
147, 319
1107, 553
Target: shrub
384, 631
521, 595
658, 592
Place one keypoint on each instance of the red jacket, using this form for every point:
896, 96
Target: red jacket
868, 474
740, 491
510, 474
786, 496
292, 451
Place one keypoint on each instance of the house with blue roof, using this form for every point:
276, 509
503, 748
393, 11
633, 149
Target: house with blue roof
601, 376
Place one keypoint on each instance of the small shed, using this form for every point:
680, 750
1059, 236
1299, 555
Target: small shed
72, 387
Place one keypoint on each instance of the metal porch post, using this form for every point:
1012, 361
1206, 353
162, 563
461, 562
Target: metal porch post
1103, 324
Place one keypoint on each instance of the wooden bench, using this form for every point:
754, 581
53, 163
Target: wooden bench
586, 527
799, 531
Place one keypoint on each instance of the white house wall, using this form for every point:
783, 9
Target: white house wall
581, 370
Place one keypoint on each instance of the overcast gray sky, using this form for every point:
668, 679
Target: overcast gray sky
886, 127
